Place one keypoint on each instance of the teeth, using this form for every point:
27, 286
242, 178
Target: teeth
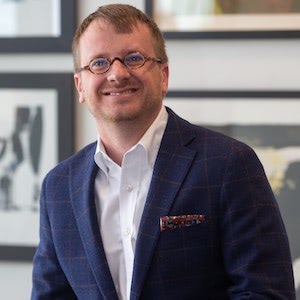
120, 93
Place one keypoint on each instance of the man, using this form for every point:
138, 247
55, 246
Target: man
157, 208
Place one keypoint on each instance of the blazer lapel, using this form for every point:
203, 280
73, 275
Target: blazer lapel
172, 165
82, 181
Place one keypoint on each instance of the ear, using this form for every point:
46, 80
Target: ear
78, 85
165, 78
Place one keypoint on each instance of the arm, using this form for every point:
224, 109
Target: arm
255, 245
49, 281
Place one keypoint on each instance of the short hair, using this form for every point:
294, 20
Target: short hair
123, 18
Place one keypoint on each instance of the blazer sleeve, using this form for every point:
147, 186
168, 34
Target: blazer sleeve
254, 240
48, 280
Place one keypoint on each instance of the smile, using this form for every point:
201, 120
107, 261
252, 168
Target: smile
119, 93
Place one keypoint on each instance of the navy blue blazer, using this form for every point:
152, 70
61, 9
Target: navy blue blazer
240, 251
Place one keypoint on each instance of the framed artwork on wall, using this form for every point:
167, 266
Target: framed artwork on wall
209, 19
36, 132
36, 26
269, 122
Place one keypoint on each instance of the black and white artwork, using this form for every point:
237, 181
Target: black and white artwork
272, 128
36, 132
28, 149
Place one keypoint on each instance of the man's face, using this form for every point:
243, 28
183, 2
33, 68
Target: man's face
121, 94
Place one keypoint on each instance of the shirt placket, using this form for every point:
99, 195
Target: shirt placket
128, 197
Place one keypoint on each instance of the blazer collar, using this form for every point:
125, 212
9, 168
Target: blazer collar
82, 180
172, 164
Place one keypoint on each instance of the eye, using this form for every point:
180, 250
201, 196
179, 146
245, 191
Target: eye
134, 60
99, 63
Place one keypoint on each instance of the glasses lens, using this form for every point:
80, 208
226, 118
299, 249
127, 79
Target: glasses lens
134, 60
99, 65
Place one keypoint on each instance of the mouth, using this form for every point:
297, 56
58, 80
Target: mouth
119, 92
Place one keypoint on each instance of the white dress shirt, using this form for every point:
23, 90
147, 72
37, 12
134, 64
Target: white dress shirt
120, 194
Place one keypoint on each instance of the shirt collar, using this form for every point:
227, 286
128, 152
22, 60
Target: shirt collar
150, 142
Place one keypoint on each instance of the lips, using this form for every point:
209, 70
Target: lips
119, 92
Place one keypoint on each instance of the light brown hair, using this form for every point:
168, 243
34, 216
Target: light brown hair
123, 18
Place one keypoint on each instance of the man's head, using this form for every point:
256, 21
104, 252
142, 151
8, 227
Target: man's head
121, 69
123, 18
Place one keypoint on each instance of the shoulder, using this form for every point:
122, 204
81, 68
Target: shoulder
75, 161
200, 137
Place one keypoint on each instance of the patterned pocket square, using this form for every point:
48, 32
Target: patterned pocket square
172, 222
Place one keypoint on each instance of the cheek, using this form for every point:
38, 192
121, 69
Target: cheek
92, 88
87, 94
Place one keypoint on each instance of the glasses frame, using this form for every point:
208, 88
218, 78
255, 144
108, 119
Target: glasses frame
111, 61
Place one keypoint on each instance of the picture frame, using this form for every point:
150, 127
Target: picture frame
212, 24
60, 41
36, 132
269, 122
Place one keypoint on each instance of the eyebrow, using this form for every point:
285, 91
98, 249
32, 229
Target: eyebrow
123, 55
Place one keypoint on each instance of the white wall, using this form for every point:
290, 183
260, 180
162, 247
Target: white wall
197, 64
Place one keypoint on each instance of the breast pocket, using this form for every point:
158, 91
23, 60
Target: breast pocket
184, 237
187, 251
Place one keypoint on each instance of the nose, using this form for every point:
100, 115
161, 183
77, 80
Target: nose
118, 71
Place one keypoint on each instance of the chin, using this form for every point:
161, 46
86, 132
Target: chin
130, 112
121, 116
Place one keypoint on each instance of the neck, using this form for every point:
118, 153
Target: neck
119, 138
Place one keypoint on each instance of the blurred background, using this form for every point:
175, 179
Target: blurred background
241, 62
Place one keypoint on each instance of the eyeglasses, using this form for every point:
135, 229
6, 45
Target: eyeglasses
101, 65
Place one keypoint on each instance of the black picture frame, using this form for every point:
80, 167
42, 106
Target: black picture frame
58, 44
60, 85
226, 34
234, 94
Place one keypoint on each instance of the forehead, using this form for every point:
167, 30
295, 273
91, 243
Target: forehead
101, 38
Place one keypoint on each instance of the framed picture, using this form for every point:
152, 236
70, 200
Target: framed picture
36, 132
36, 26
269, 122
209, 19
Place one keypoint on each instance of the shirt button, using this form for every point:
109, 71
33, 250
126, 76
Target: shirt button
127, 231
129, 188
